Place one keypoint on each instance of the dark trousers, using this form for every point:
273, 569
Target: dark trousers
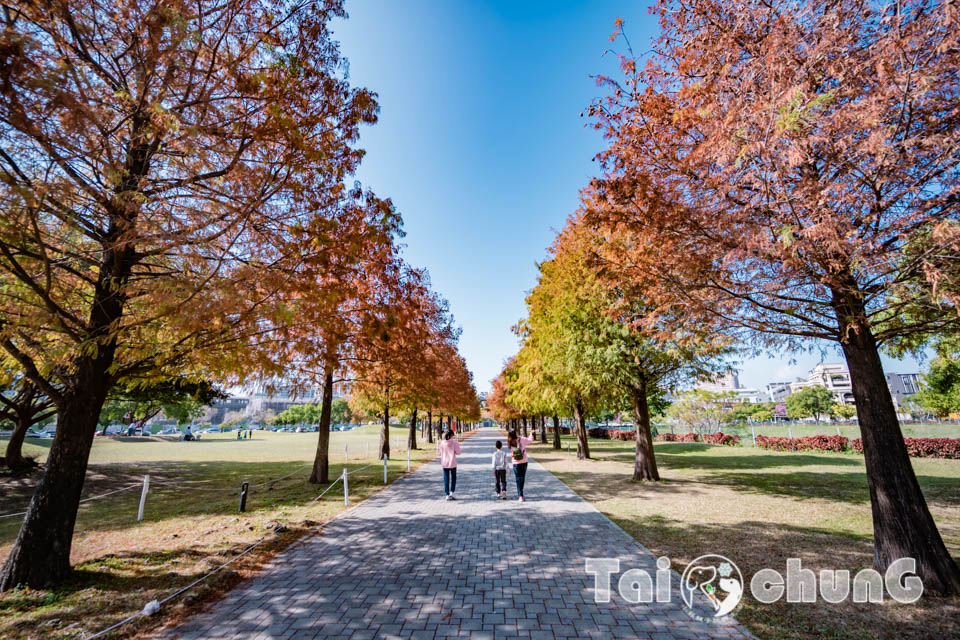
520, 470
449, 481
501, 477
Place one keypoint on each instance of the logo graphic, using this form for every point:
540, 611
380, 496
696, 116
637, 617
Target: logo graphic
715, 578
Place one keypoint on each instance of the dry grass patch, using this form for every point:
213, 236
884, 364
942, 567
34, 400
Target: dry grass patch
760, 508
191, 526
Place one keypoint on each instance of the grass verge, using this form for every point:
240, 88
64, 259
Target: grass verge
759, 508
191, 525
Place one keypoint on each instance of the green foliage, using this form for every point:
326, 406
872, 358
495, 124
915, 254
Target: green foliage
810, 402
940, 393
300, 414
340, 412
843, 410
701, 411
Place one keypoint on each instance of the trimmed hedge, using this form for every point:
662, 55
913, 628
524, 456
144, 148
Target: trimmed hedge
611, 434
678, 437
925, 447
721, 438
806, 443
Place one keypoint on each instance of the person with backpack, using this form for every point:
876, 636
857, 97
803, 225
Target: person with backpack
449, 450
518, 447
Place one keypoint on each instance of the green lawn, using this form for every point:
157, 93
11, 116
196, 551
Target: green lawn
759, 508
191, 521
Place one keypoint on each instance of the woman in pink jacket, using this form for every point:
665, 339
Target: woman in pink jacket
449, 449
518, 452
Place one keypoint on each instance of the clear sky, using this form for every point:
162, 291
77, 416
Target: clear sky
481, 146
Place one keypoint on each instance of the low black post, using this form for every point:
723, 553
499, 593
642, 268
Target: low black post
243, 496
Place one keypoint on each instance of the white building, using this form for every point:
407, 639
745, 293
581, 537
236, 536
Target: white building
727, 381
777, 391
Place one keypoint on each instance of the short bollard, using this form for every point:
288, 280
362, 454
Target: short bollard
345, 456
790, 431
385, 458
143, 496
754, 430
408, 460
243, 496
838, 430
568, 448
346, 491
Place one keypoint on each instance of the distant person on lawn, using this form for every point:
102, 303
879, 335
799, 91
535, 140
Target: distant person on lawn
518, 452
449, 450
500, 470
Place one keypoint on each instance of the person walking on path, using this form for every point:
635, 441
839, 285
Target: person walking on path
518, 448
449, 449
500, 470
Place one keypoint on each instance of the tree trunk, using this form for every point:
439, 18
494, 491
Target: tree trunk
902, 524
583, 447
430, 427
644, 462
41, 554
523, 427
543, 430
13, 458
385, 433
557, 444
412, 436
321, 462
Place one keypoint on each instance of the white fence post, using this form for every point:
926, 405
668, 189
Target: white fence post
143, 496
838, 430
345, 455
385, 458
754, 430
790, 431
346, 491
408, 459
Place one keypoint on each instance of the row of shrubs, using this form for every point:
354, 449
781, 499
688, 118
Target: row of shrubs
925, 447
720, 438
612, 434
805, 443
916, 447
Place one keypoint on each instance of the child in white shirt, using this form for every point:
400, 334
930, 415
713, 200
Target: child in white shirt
500, 470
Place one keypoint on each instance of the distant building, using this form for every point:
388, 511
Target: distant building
777, 391
832, 375
727, 381
902, 385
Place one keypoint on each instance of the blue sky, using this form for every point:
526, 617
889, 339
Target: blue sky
481, 146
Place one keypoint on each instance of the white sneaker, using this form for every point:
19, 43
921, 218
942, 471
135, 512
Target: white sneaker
449, 497
453, 497
498, 495
521, 499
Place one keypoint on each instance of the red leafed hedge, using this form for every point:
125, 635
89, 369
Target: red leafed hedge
925, 447
612, 434
806, 443
724, 439
678, 437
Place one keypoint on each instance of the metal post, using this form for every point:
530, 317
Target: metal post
385, 469
346, 491
790, 431
143, 496
754, 430
243, 496
838, 430
345, 457
408, 459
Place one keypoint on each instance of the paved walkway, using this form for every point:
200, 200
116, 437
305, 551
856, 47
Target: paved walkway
407, 564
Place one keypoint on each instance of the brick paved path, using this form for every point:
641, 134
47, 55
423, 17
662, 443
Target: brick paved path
407, 564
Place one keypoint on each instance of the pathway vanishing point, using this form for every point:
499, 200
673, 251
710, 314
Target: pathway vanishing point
405, 563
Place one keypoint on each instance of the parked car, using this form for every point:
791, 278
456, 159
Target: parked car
48, 432
170, 431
